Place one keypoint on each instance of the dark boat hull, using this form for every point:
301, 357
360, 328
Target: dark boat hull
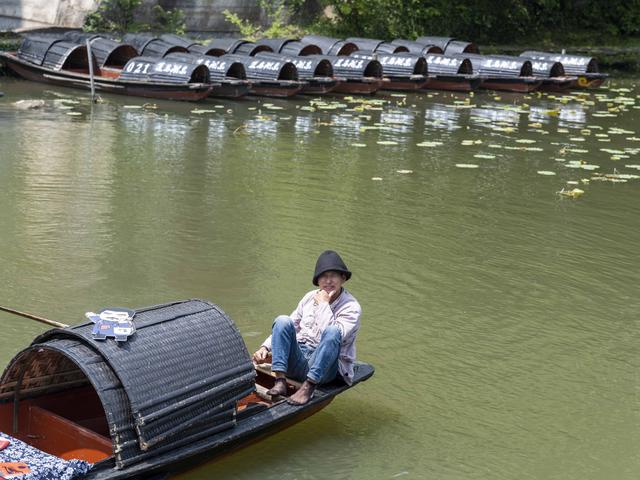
230, 89
404, 84
282, 89
364, 86
511, 84
556, 84
454, 83
166, 91
319, 86
589, 80
247, 431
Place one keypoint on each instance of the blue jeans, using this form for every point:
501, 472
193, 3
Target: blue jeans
301, 361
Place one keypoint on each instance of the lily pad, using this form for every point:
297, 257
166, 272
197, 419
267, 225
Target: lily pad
575, 193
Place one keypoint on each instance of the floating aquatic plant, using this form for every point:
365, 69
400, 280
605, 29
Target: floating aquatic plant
574, 193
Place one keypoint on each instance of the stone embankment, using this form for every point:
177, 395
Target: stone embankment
201, 16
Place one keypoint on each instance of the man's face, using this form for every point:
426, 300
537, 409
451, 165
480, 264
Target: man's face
331, 281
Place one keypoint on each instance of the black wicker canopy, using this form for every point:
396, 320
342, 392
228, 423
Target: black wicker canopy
418, 48
449, 45
308, 67
176, 380
265, 69
151, 46
547, 68
573, 64
219, 68
107, 52
448, 65
500, 65
397, 64
223, 46
54, 53
164, 70
377, 45
331, 46
290, 46
351, 68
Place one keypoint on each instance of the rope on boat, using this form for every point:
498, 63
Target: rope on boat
53, 323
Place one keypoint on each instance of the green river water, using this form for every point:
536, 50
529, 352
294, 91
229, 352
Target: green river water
501, 316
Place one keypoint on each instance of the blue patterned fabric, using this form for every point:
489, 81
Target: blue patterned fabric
43, 466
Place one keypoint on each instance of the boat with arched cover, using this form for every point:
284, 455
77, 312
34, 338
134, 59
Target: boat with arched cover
59, 61
108, 402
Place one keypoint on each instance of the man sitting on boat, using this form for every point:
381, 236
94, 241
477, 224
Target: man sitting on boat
316, 343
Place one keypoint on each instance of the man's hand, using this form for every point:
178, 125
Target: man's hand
323, 296
261, 355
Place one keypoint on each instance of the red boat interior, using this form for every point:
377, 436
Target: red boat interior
72, 423
69, 424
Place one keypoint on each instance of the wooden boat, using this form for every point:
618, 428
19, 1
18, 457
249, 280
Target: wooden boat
418, 48
64, 63
505, 73
149, 45
449, 45
377, 45
584, 68
451, 73
316, 72
358, 76
269, 77
330, 45
401, 71
229, 78
238, 46
552, 74
231, 75
290, 47
181, 391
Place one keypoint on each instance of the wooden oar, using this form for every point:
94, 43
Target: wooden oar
53, 323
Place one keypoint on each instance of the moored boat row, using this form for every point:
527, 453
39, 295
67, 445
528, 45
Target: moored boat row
177, 68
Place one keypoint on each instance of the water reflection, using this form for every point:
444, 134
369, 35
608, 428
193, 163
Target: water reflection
488, 298
486, 116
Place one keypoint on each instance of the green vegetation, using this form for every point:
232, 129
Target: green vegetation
120, 16
278, 13
486, 21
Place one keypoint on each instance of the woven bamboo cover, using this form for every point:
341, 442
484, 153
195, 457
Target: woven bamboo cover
182, 370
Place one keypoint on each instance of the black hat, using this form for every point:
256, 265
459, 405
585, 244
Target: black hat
329, 260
